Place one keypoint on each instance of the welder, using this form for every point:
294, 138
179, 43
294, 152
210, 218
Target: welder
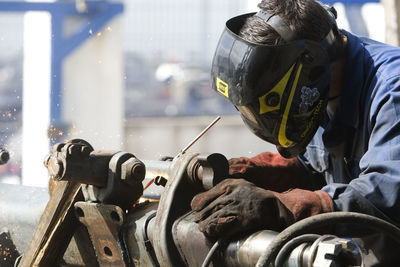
330, 102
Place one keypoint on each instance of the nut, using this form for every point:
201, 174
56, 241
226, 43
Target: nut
133, 170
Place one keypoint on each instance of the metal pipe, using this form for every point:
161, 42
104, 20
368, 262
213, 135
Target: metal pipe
156, 168
246, 251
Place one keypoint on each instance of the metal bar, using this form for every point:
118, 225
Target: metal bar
200, 134
156, 168
93, 27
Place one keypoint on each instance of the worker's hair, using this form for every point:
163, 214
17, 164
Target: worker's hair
308, 19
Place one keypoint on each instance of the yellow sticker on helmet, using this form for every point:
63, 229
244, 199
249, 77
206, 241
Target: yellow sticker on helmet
283, 140
222, 87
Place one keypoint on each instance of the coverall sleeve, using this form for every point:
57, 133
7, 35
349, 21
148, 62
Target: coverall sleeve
376, 191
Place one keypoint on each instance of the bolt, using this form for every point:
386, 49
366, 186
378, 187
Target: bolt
138, 171
133, 170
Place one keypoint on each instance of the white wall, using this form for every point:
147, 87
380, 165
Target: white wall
93, 89
152, 138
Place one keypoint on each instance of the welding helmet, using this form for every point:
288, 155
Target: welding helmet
280, 90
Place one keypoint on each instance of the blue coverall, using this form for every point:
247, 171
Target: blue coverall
357, 148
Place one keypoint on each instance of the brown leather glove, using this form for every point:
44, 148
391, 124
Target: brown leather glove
236, 205
270, 171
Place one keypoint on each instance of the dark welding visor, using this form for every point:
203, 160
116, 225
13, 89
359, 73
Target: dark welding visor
280, 90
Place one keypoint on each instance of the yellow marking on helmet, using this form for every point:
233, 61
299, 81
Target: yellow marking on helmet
222, 87
278, 88
283, 140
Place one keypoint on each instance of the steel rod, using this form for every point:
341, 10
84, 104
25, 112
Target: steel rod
200, 134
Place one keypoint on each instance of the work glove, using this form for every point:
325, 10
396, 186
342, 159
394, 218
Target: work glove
269, 171
236, 205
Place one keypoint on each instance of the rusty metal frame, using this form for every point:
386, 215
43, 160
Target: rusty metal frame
104, 223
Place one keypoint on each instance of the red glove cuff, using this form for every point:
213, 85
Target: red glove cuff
304, 203
326, 201
269, 170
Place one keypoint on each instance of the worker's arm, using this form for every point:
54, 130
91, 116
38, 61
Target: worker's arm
376, 190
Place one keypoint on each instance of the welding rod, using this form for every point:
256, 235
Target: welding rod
200, 134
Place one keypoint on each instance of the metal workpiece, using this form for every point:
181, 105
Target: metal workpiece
174, 202
192, 250
111, 177
138, 234
76, 160
133, 170
156, 168
208, 170
205, 170
334, 251
104, 223
246, 250
122, 189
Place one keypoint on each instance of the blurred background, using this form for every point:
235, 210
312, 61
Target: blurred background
128, 75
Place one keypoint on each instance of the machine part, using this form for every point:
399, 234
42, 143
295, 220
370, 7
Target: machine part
314, 222
212, 253
291, 245
192, 250
4, 156
104, 223
74, 160
200, 135
174, 202
122, 189
332, 250
159, 180
139, 225
208, 170
204, 171
156, 168
108, 176
245, 250
8, 251
133, 170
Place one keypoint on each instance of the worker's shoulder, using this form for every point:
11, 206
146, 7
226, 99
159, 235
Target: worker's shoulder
384, 59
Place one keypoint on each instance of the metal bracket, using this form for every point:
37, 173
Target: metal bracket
103, 223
